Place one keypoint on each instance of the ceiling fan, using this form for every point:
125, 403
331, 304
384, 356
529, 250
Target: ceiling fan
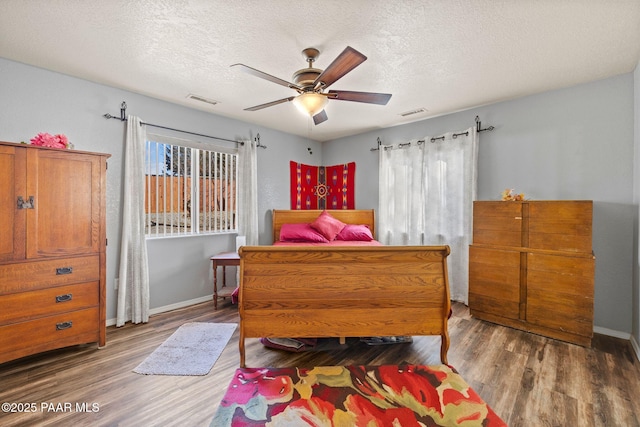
311, 83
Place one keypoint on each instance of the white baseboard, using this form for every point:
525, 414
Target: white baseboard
170, 307
622, 335
636, 347
610, 332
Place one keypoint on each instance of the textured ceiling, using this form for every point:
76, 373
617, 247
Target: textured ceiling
440, 55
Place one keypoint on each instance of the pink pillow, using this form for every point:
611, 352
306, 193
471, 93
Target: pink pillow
328, 225
352, 232
300, 233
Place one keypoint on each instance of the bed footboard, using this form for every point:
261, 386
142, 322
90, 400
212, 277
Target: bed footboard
343, 292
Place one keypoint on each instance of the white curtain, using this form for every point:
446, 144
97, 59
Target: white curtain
133, 286
426, 197
248, 192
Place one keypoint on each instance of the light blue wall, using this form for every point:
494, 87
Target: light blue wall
574, 143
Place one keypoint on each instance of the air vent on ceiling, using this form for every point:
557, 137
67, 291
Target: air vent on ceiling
202, 99
412, 112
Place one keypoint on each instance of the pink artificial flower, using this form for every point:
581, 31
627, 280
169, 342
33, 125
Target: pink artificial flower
39, 139
62, 140
48, 140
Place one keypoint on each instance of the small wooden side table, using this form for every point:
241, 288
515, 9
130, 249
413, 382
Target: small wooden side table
223, 260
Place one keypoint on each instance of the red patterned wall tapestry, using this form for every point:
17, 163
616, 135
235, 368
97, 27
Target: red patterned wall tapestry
322, 187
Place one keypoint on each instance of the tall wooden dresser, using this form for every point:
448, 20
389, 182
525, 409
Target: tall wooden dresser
531, 267
52, 249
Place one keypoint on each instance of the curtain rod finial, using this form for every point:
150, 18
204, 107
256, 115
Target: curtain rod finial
479, 126
123, 111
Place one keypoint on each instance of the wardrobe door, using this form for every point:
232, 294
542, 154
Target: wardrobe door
66, 217
494, 281
497, 223
560, 292
12, 212
560, 226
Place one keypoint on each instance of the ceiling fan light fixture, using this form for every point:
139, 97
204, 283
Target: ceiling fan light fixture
310, 103
310, 84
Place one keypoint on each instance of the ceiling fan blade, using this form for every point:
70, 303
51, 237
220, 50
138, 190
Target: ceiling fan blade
265, 76
345, 62
320, 117
269, 104
366, 97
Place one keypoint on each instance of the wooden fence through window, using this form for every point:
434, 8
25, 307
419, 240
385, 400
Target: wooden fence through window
171, 194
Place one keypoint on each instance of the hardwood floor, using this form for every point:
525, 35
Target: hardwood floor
527, 379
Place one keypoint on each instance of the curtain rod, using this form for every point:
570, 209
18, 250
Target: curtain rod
123, 118
435, 138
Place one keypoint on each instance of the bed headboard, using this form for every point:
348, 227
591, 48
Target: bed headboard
348, 216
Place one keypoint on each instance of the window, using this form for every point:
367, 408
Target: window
189, 190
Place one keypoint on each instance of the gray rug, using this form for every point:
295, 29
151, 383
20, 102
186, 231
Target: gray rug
192, 350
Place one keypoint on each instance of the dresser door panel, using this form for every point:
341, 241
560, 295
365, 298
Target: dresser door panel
560, 292
497, 223
494, 281
561, 226
66, 217
12, 186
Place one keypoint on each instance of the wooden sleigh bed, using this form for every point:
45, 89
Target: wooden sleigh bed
345, 290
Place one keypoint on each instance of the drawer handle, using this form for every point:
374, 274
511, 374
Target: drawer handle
64, 270
64, 298
25, 204
64, 325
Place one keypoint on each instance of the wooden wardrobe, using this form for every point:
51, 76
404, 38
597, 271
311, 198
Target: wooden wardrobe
531, 267
52, 249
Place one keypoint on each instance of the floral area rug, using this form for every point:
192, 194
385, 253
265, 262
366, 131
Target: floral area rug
371, 396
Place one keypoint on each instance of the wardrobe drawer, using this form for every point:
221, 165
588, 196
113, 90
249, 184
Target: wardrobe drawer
29, 276
60, 299
47, 333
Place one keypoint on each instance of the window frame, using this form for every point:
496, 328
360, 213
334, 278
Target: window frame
192, 187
